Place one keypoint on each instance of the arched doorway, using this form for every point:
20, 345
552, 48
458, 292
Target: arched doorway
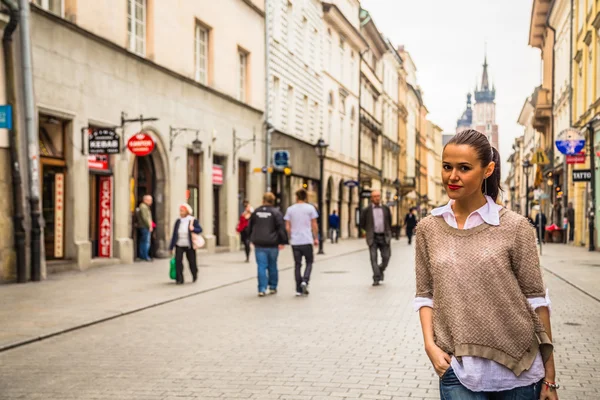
148, 176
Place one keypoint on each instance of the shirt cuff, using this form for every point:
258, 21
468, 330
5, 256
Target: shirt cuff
420, 302
537, 302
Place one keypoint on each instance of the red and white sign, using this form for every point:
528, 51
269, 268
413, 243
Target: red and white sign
98, 162
59, 215
105, 217
141, 144
576, 158
217, 174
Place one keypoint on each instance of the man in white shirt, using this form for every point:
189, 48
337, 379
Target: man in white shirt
301, 225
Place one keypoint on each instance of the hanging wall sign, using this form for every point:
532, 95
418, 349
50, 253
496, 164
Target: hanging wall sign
59, 215
98, 162
570, 141
582, 175
103, 141
105, 217
141, 144
217, 174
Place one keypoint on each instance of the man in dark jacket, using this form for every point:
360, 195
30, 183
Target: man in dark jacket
540, 226
410, 222
267, 233
376, 221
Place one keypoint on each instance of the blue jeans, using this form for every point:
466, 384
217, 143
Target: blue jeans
144, 246
452, 389
266, 260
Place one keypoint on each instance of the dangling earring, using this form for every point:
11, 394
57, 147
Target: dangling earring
485, 186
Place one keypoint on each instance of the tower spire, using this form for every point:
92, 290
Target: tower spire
485, 84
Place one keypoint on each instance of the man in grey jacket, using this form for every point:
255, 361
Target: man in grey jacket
376, 221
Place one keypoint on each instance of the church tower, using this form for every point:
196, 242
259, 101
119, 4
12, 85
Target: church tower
466, 120
484, 118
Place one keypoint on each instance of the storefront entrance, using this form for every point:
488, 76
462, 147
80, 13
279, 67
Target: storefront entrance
144, 178
53, 212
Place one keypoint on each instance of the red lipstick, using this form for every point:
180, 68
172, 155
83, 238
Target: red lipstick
454, 187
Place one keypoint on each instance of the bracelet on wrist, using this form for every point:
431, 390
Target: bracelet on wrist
551, 385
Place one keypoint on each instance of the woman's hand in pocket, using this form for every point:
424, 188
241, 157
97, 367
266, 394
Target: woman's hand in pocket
439, 358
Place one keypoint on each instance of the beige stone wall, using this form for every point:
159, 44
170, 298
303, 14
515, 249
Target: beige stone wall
83, 80
170, 36
7, 252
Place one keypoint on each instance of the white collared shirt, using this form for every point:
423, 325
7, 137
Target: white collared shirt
489, 213
475, 373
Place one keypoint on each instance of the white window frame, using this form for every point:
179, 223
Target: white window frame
243, 75
45, 4
291, 100
342, 58
201, 61
132, 20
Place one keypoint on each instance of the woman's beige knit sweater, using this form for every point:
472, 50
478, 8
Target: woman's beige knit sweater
479, 280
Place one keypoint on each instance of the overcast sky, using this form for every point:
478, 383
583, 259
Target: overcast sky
447, 39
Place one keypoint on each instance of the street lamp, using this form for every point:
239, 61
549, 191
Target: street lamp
526, 167
321, 149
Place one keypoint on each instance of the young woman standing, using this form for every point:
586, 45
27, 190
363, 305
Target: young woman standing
482, 302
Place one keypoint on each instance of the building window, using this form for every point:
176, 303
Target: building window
291, 110
243, 78
54, 6
342, 138
352, 66
193, 182
305, 41
590, 77
136, 26
305, 116
342, 59
598, 64
579, 90
329, 50
316, 123
342, 104
201, 51
330, 99
580, 14
329, 126
276, 102
290, 27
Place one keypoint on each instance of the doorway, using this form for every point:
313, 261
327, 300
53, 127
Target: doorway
144, 176
53, 212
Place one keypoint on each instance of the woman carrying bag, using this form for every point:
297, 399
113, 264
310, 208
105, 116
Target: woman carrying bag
185, 240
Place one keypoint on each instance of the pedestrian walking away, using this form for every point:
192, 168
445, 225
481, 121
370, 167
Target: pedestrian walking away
482, 302
376, 221
571, 221
410, 222
301, 225
540, 230
145, 227
334, 227
182, 243
267, 232
242, 228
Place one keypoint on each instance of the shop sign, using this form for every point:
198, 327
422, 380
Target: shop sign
570, 141
59, 214
103, 141
6, 116
105, 217
540, 158
141, 144
351, 184
281, 158
582, 175
576, 158
217, 174
98, 162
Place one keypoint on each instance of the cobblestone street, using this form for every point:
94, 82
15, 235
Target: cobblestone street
346, 340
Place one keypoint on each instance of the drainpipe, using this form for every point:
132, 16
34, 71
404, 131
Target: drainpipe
18, 227
32, 141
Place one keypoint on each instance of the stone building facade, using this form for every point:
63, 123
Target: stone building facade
95, 65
